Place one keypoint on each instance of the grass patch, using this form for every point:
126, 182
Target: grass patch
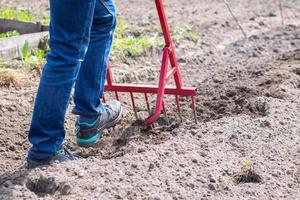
8, 79
247, 174
128, 44
9, 34
186, 33
25, 16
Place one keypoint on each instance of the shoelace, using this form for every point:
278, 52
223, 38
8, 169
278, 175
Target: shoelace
110, 111
65, 151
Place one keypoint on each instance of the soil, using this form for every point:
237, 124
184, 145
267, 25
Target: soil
248, 108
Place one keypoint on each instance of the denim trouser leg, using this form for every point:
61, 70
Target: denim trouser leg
70, 26
90, 83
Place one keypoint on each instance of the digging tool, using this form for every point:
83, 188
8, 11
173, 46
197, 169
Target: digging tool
168, 58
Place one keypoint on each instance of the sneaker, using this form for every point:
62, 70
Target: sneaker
62, 154
88, 134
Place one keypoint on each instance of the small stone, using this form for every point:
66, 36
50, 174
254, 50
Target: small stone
134, 166
141, 150
271, 14
7, 184
233, 136
151, 167
265, 123
194, 160
194, 132
211, 179
211, 186
203, 154
217, 80
226, 188
12, 148
230, 93
297, 71
65, 189
79, 174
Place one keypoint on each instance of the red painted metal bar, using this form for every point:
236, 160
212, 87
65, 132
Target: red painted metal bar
168, 40
161, 88
151, 89
170, 74
109, 77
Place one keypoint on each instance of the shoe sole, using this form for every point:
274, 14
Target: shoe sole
100, 129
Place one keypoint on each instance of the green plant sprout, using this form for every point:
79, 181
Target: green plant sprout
25, 53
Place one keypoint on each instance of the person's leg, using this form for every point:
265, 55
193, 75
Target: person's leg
95, 116
70, 25
91, 79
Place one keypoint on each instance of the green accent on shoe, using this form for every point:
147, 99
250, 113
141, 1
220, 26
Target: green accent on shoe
88, 124
92, 139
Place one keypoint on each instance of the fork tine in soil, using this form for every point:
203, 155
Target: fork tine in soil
133, 105
165, 112
194, 109
178, 107
117, 96
147, 103
166, 73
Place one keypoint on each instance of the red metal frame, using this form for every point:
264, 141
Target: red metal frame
165, 75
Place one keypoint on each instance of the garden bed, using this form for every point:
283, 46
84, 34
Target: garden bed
18, 28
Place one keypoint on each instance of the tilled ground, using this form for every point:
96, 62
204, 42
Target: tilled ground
248, 105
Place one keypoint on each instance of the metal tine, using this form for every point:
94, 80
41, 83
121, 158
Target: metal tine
165, 112
194, 109
133, 105
117, 96
178, 108
147, 102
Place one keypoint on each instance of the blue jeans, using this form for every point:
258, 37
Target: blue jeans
81, 33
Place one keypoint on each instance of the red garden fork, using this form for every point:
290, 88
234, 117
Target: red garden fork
165, 75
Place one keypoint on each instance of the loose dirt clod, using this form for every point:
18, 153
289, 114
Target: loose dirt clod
247, 174
44, 185
8, 79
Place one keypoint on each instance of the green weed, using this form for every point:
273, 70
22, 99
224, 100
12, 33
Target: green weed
25, 52
34, 58
247, 174
185, 33
126, 44
9, 34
